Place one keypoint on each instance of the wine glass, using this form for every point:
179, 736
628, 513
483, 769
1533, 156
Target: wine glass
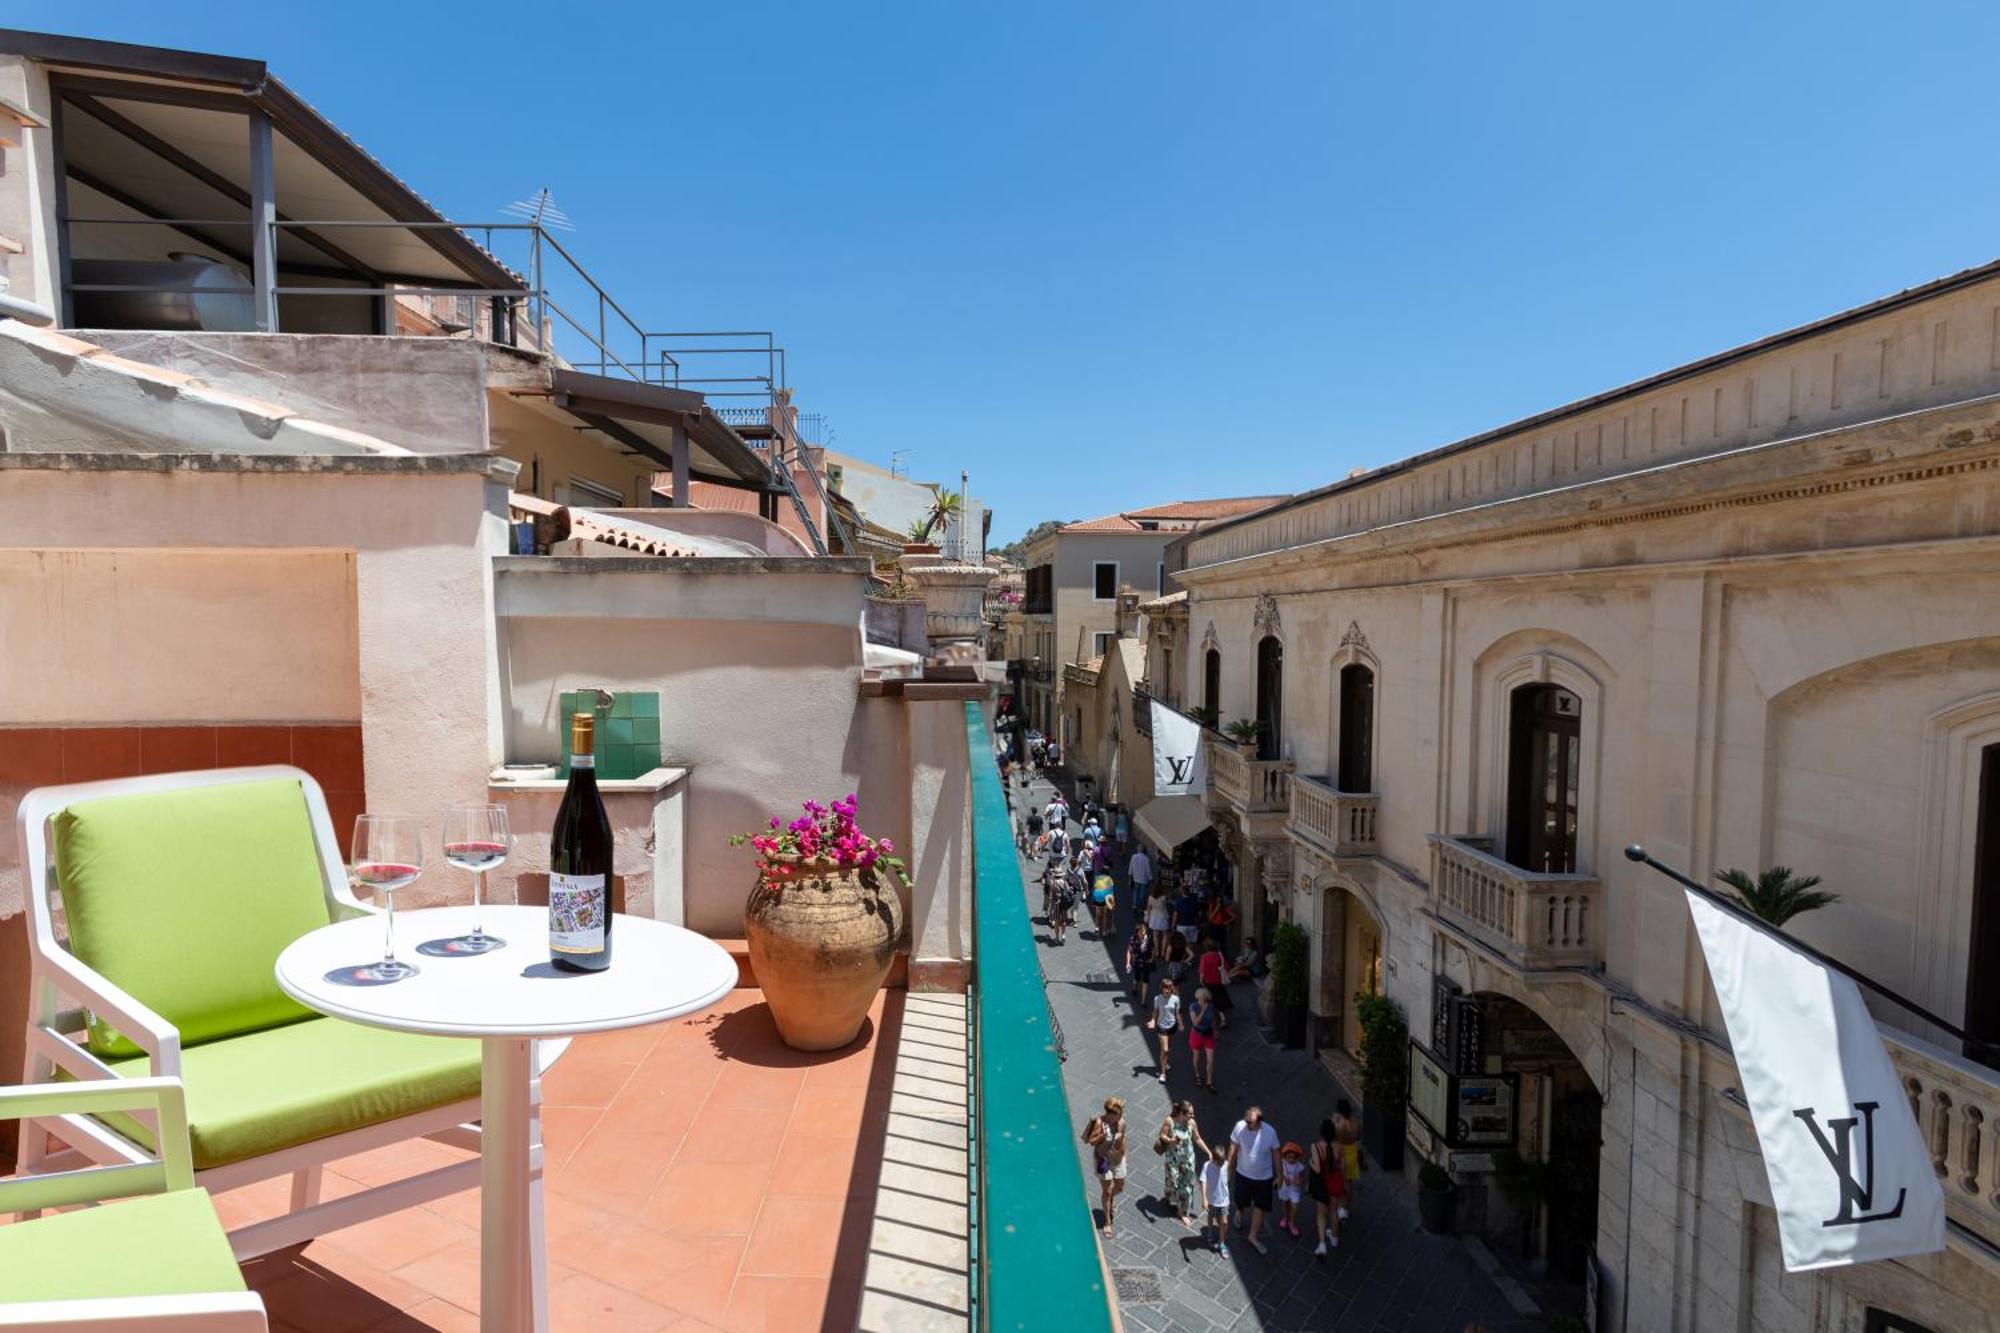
476, 839
388, 854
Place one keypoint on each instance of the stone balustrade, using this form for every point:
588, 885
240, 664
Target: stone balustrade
1957, 1105
1338, 823
1537, 920
1253, 786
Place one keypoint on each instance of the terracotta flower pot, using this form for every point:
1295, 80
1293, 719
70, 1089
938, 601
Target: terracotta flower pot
821, 941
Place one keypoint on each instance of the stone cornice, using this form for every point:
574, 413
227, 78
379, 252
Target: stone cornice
1920, 447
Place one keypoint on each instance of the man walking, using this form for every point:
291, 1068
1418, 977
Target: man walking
1253, 1152
1139, 871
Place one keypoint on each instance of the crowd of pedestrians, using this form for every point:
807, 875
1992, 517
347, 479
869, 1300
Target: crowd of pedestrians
1254, 1184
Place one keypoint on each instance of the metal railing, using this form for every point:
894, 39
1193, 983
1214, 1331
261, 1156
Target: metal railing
557, 307
1035, 1258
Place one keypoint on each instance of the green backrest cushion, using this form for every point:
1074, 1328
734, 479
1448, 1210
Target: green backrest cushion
185, 899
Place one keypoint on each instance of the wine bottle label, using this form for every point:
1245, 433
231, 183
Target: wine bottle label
578, 905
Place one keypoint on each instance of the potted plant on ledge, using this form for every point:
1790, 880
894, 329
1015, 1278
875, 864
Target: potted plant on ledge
822, 922
1385, 1075
1246, 732
1289, 966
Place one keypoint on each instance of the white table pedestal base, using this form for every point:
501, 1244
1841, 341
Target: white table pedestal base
513, 1269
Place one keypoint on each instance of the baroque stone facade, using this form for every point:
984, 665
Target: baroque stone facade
1746, 613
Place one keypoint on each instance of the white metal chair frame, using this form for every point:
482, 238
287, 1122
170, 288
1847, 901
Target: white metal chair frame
56, 975
173, 1169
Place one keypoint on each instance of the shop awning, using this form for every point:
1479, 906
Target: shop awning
1169, 821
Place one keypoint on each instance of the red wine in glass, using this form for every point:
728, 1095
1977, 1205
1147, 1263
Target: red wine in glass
476, 840
388, 854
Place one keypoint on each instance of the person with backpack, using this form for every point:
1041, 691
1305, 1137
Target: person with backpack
1062, 899
1034, 827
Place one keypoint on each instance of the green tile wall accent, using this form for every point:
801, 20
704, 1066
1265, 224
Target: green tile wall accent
628, 732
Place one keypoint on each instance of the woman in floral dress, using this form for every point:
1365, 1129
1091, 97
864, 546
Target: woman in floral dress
1179, 1141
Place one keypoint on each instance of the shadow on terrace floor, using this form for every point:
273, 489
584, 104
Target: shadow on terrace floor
700, 1174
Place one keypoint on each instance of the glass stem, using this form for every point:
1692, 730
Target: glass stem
389, 928
478, 895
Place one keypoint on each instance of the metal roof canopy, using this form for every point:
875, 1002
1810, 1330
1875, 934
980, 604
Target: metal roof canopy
643, 417
161, 128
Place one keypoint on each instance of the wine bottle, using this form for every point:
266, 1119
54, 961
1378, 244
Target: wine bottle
580, 864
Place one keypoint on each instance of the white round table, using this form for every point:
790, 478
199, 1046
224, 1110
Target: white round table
508, 999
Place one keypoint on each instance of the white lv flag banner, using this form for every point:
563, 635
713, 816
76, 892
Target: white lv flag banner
1849, 1172
1180, 766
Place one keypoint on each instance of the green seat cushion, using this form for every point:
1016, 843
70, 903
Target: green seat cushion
280, 1087
186, 898
158, 1245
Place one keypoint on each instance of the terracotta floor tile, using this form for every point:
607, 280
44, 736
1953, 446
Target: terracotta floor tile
834, 1110
394, 1161
817, 1166
311, 1296
432, 1314
462, 1207
749, 1087
564, 1129
693, 1275
585, 1080
616, 1171
580, 1301
395, 1239
779, 1305
723, 1135
701, 1197
452, 1274
633, 1044
650, 1110
795, 1238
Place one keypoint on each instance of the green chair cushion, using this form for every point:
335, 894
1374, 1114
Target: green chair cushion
158, 1245
186, 898
280, 1087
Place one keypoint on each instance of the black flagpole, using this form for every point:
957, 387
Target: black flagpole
1637, 853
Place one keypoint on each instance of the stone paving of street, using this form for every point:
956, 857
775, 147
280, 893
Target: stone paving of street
1387, 1274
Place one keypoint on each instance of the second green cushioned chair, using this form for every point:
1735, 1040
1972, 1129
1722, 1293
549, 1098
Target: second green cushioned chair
179, 891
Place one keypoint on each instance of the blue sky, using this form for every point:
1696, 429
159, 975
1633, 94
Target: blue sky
1110, 254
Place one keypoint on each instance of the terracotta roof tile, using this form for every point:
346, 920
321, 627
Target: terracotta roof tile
1177, 511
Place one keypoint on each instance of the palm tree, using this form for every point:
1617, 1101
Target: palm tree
944, 504
1777, 895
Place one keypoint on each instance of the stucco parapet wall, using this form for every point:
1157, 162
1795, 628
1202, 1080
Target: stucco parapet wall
1914, 446
373, 465
768, 589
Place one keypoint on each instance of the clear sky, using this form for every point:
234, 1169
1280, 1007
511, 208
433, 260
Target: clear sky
1110, 254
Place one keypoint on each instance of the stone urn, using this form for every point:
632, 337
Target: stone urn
821, 939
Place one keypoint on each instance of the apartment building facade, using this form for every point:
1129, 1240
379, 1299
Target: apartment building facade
1074, 576
1746, 613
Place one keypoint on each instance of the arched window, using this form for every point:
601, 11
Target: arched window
1982, 964
1211, 682
1544, 769
1270, 695
1355, 767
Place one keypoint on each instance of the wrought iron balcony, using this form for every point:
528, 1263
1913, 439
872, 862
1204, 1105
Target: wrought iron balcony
1336, 823
1537, 920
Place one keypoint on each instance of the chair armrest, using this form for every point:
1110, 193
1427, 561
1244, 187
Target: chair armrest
151, 1033
165, 1097
205, 1312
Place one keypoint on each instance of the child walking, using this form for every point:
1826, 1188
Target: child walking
1215, 1198
1291, 1186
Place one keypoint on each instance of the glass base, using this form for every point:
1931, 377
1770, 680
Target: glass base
462, 946
389, 969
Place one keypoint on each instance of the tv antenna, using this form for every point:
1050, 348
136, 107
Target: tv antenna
897, 467
540, 208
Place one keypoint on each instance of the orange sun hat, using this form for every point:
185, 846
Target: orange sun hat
1291, 1149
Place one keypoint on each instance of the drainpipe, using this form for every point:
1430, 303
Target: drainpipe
13, 307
